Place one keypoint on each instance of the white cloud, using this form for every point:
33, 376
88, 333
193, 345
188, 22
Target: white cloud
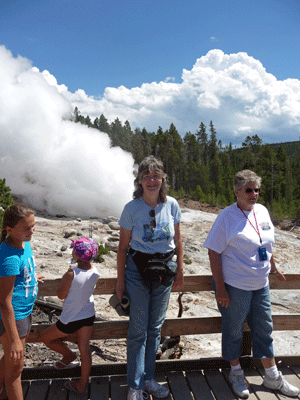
59, 166
232, 90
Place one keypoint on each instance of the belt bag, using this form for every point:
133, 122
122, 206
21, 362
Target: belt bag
153, 268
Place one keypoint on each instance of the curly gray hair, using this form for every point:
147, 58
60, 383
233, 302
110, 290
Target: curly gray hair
245, 176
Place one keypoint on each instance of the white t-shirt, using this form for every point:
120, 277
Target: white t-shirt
79, 303
233, 236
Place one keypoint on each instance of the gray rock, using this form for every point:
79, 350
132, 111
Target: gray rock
70, 233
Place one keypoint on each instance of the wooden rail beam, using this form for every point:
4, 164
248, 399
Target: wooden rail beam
171, 327
192, 283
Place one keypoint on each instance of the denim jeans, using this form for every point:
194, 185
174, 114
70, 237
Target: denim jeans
255, 307
148, 307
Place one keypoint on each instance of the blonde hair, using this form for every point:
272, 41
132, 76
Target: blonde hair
12, 216
245, 176
148, 165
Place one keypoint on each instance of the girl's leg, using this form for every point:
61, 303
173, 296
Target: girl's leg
53, 338
83, 339
12, 370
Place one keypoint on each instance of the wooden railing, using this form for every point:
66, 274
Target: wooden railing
174, 326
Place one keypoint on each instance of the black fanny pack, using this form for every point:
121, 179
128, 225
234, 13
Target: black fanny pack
153, 268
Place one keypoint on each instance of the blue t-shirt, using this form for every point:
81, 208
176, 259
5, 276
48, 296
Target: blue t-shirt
135, 217
20, 262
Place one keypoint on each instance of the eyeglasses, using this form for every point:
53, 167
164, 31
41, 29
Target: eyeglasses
249, 190
152, 215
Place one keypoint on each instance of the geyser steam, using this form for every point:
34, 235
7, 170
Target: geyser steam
55, 164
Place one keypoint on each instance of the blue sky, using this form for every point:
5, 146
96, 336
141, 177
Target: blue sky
90, 46
94, 44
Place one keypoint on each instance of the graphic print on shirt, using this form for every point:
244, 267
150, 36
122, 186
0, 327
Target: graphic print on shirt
29, 274
161, 232
265, 226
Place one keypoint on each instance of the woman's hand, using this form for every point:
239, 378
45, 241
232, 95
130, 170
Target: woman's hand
40, 278
16, 350
279, 273
120, 288
179, 279
222, 297
275, 270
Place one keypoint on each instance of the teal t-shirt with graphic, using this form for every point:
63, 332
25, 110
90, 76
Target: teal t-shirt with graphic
20, 263
136, 218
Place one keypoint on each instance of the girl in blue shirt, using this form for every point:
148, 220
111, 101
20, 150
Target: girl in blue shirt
18, 290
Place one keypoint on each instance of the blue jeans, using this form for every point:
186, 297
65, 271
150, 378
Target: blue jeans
148, 307
255, 307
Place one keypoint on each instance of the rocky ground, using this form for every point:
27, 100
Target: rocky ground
51, 246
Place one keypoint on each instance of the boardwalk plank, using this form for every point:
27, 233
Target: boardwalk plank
100, 388
57, 390
75, 396
218, 385
25, 388
38, 390
179, 386
119, 387
199, 386
255, 380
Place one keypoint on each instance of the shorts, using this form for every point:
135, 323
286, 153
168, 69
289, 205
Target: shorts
23, 326
74, 326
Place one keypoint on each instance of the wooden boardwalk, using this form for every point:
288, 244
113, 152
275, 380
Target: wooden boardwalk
200, 384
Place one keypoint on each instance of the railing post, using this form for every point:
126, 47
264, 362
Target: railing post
246, 344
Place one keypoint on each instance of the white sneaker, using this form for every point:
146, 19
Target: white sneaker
156, 389
238, 382
136, 394
282, 385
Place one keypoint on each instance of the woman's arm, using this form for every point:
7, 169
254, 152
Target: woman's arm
275, 270
222, 296
8, 317
65, 284
125, 236
179, 279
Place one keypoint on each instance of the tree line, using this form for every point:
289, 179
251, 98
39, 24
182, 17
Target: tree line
200, 168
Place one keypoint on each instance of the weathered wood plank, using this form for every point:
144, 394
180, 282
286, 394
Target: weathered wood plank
100, 388
171, 327
199, 386
218, 385
118, 387
192, 283
178, 386
57, 390
38, 390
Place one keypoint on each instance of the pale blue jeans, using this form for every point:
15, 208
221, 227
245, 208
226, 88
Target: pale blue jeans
255, 307
148, 307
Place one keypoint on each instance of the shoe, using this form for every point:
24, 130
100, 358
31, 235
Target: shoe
238, 382
61, 365
282, 385
156, 389
136, 394
68, 385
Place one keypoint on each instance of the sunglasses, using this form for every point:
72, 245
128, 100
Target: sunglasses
152, 215
249, 190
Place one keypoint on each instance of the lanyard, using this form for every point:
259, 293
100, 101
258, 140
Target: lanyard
256, 229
